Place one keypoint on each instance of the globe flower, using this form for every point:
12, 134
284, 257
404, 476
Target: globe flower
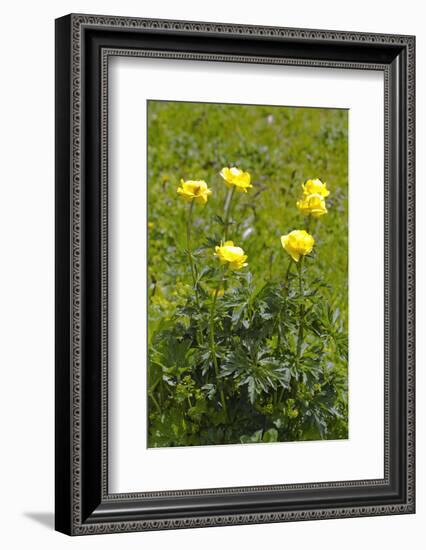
197, 191
232, 255
297, 243
313, 205
234, 176
315, 187
217, 292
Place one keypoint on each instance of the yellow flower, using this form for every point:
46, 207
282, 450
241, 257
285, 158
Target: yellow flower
232, 255
215, 292
234, 176
150, 225
297, 243
194, 191
312, 204
315, 187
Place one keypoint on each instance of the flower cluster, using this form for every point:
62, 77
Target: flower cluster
198, 191
312, 202
299, 243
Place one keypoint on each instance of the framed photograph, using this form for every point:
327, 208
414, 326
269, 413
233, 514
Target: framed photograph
234, 274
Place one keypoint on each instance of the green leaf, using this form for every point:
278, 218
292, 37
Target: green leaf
270, 435
254, 438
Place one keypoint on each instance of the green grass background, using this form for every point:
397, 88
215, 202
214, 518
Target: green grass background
281, 147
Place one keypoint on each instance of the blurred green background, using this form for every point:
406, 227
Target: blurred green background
281, 147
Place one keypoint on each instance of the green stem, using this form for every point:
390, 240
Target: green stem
227, 210
213, 351
301, 314
153, 386
155, 402
302, 306
191, 263
188, 249
280, 398
282, 308
301, 311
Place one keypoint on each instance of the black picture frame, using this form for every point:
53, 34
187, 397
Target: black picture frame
83, 46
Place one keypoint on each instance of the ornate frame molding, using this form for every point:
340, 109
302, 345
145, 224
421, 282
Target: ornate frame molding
72, 47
